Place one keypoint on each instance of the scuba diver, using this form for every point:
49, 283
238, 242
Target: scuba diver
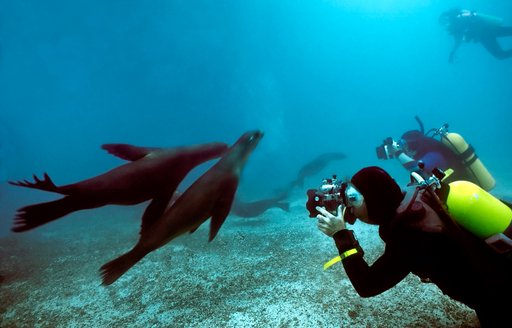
420, 152
420, 238
469, 26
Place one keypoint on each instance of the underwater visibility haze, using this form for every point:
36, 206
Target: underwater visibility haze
318, 77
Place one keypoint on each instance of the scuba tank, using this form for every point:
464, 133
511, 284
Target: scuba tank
489, 20
473, 209
477, 210
482, 214
474, 166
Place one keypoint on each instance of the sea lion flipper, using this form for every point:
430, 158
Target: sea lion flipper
154, 210
30, 217
127, 152
223, 205
45, 184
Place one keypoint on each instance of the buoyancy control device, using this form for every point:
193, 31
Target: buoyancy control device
473, 209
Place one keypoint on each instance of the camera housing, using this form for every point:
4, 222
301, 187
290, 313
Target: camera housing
329, 195
383, 150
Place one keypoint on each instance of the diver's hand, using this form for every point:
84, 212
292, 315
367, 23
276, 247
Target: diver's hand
393, 149
328, 223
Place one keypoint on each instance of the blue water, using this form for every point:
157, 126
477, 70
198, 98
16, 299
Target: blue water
315, 76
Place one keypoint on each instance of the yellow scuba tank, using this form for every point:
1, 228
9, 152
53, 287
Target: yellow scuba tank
472, 208
472, 163
482, 214
478, 211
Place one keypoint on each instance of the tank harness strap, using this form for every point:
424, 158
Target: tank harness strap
469, 156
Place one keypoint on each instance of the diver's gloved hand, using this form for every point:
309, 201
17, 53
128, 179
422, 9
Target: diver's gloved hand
328, 223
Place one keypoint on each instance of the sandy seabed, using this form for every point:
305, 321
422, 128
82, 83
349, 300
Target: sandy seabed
258, 272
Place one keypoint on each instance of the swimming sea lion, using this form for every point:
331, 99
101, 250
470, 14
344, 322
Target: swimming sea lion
153, 173
209, 196
315, 166
255, 208
250, 209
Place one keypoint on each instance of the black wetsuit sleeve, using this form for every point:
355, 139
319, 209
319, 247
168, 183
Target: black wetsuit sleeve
370, 280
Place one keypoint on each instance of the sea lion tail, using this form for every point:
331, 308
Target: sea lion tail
114, 269
285, 206
32, 216
297, 183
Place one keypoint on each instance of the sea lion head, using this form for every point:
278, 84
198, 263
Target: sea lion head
247, 142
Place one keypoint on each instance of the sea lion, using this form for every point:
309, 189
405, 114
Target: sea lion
153, 173
251, 209
315, 166
211, 195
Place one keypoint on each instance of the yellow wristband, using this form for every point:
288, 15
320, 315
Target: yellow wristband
337, 259
346, 254
329, 264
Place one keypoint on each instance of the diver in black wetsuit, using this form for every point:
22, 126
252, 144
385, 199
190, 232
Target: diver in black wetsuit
417, 241
469, 26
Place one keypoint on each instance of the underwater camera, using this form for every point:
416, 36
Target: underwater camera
329, 195
383, 150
